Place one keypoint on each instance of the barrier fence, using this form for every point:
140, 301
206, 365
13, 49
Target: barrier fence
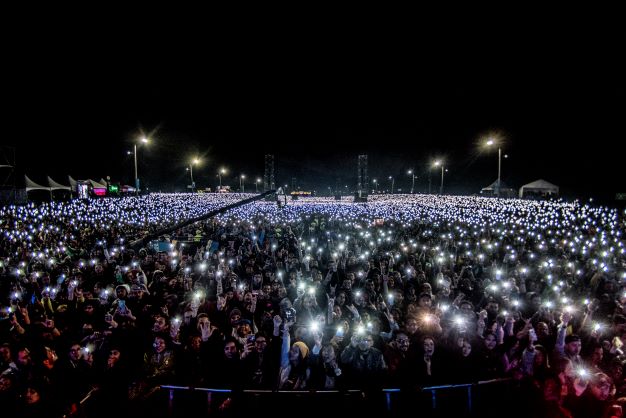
480, 399
493, 398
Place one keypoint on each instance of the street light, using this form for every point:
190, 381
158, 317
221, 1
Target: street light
145, 141
410, 172
242, 185
489, 143
437, 164
375, 185
219, 173
190, 168
392, 183
256, 185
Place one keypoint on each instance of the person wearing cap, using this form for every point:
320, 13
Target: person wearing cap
122, 291
571, 349
243, 328
567, 346
138, 298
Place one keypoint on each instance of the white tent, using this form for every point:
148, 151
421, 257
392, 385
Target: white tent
540, 186
31, 185
505, 191
56, 186
73, 183
96, 185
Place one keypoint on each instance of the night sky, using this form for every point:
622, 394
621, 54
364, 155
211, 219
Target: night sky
558, 101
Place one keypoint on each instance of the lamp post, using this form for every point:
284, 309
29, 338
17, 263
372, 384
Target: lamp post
490, 143
145, 141
194, 161
256, 185
375, 185
242, 185
437, 164
392, 183
219, 173
410, 172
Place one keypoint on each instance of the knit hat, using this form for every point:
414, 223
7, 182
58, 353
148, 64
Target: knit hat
304, 350
125, 286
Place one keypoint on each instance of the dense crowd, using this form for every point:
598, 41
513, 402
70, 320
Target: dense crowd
405, 291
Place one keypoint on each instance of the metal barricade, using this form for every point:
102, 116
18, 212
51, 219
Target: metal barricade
480, 399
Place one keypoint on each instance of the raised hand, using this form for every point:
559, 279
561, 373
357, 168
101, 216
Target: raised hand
317, 338
332, 289
221, 303
205, 331
566, 317
277, 321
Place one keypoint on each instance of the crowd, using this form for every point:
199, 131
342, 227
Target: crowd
405, 291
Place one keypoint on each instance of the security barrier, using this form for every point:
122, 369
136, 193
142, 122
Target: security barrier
485, 399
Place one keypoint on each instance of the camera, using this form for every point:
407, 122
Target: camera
290, 314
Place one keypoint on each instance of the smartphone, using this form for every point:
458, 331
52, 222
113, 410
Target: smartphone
339, 332
122, 305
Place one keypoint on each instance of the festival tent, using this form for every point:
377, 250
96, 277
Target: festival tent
539, 187
56, 186
73, 183
96, 185
505, 191
31, 185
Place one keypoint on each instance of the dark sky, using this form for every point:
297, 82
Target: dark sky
557, 99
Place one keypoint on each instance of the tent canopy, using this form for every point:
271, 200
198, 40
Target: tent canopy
539, 186
31, 185
56, 186
505, 190
492, 187
96, 185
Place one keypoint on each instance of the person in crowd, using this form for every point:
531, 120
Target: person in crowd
364, 364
